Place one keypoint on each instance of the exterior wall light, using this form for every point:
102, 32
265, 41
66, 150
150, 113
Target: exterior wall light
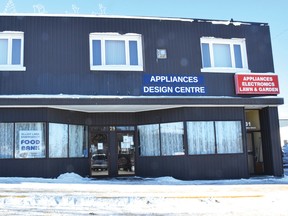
161, 54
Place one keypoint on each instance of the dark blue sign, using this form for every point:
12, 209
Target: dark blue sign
173, 85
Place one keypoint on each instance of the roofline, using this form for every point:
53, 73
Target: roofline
134, 100
213, 21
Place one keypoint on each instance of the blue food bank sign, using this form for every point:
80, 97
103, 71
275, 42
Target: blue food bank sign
173, 85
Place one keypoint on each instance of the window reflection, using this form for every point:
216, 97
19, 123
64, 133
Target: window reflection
58, 140
63, 137
204, 137
228, 137
172, 138
6, 140
78, 145
201, 137
219, 137
149, 137
163, 139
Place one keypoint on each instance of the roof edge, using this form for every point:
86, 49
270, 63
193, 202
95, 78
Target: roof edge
118, 100
213, 21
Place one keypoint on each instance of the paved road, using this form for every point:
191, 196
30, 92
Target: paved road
117, 199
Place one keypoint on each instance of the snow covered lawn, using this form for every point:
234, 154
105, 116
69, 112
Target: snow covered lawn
70, 194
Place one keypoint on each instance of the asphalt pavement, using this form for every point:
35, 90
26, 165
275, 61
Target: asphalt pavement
140, 199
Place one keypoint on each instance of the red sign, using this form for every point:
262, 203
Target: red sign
257, 84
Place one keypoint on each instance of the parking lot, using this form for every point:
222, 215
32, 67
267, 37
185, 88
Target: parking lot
164, 196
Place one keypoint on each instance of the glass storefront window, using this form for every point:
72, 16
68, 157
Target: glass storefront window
58, 140
219, 137
149, 140
164, 139
30, 140
228, 137
78, 145
201, 137
63, 137
172, 138
6, 140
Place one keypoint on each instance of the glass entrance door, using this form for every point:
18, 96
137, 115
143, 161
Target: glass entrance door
255, 155
112, 151
251, 153
126, 153
99, 152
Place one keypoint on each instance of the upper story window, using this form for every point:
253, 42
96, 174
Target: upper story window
223, 55
11, 51
112, 51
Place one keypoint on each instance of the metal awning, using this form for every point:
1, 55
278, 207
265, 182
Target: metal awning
85, 103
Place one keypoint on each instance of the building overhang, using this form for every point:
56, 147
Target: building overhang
85, 103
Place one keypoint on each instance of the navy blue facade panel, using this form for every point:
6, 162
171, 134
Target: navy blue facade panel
45, 168
73, 117
56, 54
272, 152
23, 115
193, 114
194, 167
65, 117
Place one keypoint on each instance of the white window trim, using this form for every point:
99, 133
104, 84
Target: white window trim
13, 35
231, 42
116, 36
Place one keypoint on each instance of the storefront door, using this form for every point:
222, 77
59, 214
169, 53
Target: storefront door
99, 151
112, 151
251, 153
254, 142
255, 155
126, 153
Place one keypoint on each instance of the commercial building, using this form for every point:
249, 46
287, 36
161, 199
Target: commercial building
113, 96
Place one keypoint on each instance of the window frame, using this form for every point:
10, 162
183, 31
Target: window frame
10, 35
24, 127
53, 146
117, 37
67, 150
231, 42
143, 152
217, 140
167, 129
161, 147
84, 147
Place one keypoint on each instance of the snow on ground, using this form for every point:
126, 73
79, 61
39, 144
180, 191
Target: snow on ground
73, 178
71, 194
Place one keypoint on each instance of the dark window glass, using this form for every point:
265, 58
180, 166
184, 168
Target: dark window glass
16, 51
238, 56
133, 52
206, 55
96, 52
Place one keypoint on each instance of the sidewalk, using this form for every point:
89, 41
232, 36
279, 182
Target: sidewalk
103, 198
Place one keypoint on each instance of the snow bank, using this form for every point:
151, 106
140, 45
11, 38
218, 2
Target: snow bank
72, 178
